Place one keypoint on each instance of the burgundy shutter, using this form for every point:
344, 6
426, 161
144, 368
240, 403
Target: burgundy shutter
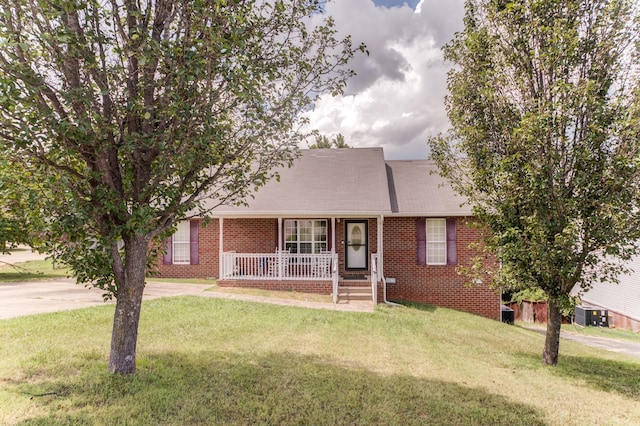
452, 255
167, 259
276, 236
421, 240
193, 242
329, 235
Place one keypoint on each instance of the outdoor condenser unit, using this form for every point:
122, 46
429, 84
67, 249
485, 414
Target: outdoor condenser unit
590, 316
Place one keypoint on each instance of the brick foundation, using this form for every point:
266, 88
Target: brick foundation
304, 286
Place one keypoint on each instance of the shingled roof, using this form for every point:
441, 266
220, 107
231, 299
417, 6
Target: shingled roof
352, 182
416, 189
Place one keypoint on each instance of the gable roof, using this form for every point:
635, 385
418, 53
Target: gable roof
352, 182
324, 182
416, 189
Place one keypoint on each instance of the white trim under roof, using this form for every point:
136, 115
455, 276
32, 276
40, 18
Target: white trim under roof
296, 215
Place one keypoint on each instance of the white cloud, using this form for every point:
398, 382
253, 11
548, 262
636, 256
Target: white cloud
397, 99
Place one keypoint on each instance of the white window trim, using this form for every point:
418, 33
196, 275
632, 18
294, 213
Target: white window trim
443, 241
313, 241
181, 228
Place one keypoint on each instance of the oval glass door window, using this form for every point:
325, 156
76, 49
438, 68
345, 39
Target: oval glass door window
356, 237
357, 250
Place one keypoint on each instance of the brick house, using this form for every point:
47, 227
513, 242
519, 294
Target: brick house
343, 222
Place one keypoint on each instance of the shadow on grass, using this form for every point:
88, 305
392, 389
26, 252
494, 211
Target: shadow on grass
417, 306
598, 373
603, 374
220, 388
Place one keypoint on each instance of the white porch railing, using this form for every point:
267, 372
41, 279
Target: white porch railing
280, 266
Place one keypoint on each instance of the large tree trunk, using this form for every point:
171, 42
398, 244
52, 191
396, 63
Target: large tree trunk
124, 337
552, 341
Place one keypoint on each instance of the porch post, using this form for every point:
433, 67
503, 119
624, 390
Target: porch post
279, 234
220, 247
280, 270
333, 235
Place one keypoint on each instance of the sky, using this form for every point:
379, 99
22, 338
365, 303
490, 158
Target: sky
396, 100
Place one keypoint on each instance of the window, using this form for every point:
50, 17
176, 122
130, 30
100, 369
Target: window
436, 241
305, 236
182, 244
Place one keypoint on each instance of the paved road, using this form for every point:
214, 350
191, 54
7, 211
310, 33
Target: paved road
613, 345
22, 254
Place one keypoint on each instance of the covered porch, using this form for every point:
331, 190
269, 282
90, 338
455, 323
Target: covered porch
288, 267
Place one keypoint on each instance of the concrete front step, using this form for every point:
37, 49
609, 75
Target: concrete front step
354, 283
346, 293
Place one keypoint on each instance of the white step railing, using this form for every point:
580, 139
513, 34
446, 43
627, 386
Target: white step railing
374, 278
279, 266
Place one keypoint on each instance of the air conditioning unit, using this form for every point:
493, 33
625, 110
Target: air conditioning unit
586, 316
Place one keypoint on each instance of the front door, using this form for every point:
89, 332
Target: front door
357, 250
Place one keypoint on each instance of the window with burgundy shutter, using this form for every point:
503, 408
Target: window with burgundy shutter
182, 246
436, 242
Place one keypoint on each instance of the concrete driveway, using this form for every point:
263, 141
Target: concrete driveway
36, 297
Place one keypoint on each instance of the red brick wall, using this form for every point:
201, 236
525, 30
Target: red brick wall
250, 235
207, 266
439, 285
319, 287
434, 284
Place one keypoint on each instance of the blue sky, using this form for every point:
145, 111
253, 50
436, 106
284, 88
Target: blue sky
396, 100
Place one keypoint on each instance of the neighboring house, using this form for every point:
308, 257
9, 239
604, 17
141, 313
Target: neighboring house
343, 222
622, 300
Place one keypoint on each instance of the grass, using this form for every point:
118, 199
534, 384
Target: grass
34, 270
211, 361
292, 295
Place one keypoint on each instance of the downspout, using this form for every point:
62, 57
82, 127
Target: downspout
381, 266
384, 294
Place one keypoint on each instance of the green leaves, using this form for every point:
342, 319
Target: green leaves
543, 105
138, 114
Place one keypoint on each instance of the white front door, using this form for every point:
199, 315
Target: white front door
357, 248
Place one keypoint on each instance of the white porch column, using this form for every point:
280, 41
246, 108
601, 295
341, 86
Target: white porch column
333, 235
279, 234
220, 247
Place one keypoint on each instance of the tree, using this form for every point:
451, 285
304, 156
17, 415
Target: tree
322, 141
134, 112
543, 104
20, 194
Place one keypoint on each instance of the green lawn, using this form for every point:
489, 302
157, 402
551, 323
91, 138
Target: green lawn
211, 361
31, 271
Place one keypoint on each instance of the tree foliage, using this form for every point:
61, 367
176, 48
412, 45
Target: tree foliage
323, 141
21, 221
544, 143
134, 112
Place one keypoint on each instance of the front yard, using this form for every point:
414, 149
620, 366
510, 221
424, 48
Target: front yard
210, 361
